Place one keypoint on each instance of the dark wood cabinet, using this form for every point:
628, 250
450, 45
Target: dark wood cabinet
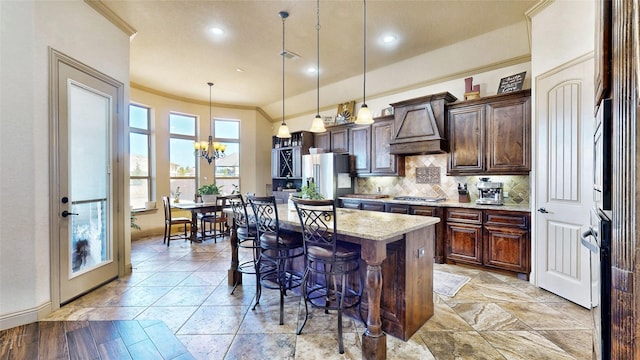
335, 139
382, 161
396, 208
506, 241
360, 143
372, 206
286, 158
438, 250
464, 235
490, 135
322, 141
492, 238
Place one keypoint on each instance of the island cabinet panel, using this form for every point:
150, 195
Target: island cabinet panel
360, 142
405, 303
438, 248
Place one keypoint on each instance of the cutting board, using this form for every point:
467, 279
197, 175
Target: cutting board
366, 196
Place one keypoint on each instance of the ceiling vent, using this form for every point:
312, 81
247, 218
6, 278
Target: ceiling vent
290, 55
420, 125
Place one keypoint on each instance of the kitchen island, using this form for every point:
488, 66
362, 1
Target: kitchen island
398, 276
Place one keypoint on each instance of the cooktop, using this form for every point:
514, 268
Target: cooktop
420, 198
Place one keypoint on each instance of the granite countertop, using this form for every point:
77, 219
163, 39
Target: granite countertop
377, 226
446, 203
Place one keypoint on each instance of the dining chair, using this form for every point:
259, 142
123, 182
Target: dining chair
278, 249
245, 228
332, 279
169, 221
214, 219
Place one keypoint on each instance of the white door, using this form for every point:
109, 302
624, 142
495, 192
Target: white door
564, 198
86, 112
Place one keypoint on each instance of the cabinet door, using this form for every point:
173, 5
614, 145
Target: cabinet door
508, 136
360, 142
382, 162
466, 134
464, 243
340, 141
297, 162
322, 141
507, 248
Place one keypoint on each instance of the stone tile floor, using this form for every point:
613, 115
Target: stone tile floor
493, 316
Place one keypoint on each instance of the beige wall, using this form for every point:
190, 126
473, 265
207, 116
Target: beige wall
27, 29
255, 153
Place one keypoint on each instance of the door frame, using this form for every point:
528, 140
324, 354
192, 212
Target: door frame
118, 195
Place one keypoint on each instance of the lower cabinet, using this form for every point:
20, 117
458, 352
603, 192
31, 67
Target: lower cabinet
491, 238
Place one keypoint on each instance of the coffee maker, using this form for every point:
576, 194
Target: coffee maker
489, 192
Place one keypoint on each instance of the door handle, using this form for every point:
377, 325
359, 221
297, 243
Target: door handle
65, 213
543, 210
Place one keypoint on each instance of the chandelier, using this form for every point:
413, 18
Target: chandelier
209, 150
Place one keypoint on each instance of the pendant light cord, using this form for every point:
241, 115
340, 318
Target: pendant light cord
210, 105
364, 75
318, 52
284, 15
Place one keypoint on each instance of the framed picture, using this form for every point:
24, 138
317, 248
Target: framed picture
328, 121
387, 111
346, 112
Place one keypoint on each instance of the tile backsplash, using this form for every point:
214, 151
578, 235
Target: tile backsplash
420, 180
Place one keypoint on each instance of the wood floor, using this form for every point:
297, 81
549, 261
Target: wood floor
127, 339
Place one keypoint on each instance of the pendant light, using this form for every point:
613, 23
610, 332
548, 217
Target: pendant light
283, 131
209, 150
364, 114
317, 126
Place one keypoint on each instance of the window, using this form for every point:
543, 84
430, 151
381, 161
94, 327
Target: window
182, 162
227, 169
139, 156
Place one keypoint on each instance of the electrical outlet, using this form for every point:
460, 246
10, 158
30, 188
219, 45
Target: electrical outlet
420, 252
505, 194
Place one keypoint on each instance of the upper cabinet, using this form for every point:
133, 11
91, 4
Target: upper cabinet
286, 155
490, 135
335, 139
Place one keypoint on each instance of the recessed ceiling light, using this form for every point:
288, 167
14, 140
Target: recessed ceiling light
311, 70
389, 39
217, 31
239, 70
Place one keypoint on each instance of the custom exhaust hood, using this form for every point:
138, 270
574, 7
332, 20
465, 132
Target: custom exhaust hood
420, 125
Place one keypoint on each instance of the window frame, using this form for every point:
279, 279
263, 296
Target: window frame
192, 138
150, 156
228, 141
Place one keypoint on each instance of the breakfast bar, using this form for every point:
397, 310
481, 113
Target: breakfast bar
398, 252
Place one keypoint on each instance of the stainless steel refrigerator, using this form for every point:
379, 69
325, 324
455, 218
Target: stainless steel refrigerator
330, 173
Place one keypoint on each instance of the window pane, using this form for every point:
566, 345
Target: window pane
138, 154
227, 184
139, 192
181, 157
138, 117
230, 164
227, 129
187, 188
182, 124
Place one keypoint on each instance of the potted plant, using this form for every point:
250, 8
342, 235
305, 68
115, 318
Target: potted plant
208, 192
310, 191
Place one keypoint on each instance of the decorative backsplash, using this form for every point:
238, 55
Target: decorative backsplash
421, 179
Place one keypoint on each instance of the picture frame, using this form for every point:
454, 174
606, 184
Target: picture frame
512, 83
328, 121
345, 113
387, 111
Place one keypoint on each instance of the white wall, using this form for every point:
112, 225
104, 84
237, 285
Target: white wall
27, 29
255, 153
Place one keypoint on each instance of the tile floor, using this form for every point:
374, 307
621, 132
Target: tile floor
492, 317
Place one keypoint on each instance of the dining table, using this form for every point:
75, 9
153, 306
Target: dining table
195, 208
408, 241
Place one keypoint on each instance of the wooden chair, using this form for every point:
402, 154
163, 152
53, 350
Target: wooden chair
169, 221
277, 250
332, 278
214, 219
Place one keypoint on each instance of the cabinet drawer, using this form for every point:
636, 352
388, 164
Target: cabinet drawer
468, 216
351, 204
372, 206
505, 218
396, 208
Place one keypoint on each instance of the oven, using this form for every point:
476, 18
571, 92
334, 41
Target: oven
598, 240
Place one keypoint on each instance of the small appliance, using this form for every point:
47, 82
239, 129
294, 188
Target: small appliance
489, 192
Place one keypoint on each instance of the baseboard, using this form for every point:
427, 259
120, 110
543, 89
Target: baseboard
24, 317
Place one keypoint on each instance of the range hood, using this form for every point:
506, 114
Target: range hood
420, 125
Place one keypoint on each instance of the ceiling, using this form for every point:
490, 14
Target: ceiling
174, 51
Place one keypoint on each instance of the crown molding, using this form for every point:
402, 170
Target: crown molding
108, 14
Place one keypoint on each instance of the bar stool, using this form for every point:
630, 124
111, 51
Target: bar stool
332, 278
278, 249
246, 234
